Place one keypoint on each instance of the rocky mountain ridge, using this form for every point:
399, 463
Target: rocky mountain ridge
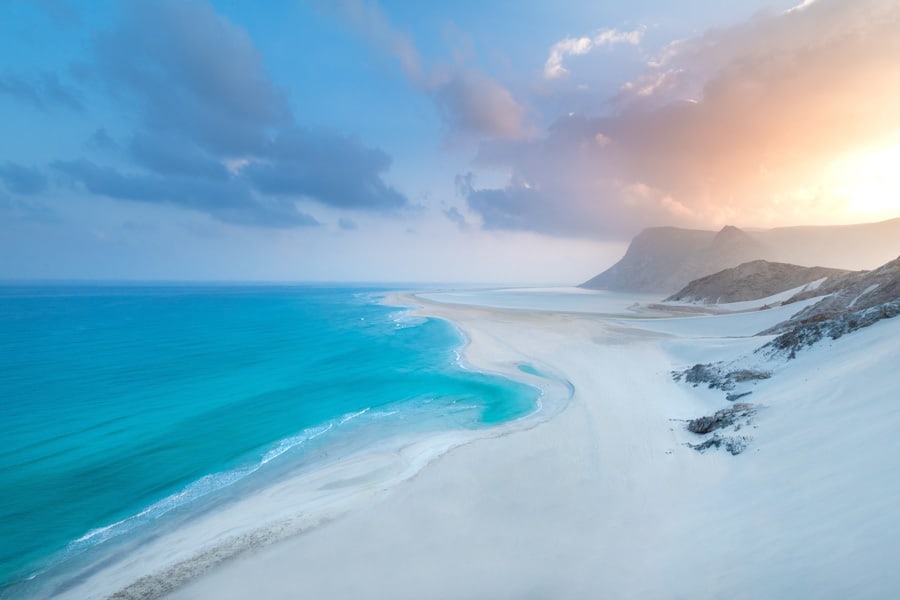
665, 259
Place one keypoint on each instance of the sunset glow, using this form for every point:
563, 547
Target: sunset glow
364, 140
868, 182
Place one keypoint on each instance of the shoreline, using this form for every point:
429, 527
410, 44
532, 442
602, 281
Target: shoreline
326, 488
499, 341
605, 497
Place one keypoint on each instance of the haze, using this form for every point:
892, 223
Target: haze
398, 141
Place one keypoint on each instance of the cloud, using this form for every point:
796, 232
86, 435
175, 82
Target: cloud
43, 92
468, 101
370, 21
101, 141
18, 209
168, 155
733, 130
569, 46
327, 168
227, 201
213, 133
474, 103
191, 73
22, 180
456, 217
347, 224
800, 6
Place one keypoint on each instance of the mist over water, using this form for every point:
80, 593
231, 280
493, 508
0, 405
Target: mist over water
119, 404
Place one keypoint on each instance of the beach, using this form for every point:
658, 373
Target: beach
596, 495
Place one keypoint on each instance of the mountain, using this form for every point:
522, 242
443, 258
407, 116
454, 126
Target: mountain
754, 280
851, 247
665, 259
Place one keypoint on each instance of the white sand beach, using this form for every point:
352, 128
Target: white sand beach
604, 500
595, 496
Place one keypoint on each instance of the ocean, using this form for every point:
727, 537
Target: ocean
122, 403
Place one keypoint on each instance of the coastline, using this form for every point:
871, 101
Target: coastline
605, 499
490, 518
601, 498
274, 506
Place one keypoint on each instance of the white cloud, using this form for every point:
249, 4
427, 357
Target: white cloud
800, 6
742, 124
469, 101
554, 68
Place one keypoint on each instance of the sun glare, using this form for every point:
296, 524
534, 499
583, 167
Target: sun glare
868, 182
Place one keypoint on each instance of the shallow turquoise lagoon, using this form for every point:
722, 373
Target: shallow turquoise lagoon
121, 403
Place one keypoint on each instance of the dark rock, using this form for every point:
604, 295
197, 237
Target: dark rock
734, 445
811, 330
717, 377
722, 418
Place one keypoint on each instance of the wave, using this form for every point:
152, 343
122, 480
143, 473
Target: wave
208, 484
352, 416
405, 318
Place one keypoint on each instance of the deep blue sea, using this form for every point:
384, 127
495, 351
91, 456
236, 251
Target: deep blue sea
119, 404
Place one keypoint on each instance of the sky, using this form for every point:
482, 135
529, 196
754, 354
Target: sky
487, 142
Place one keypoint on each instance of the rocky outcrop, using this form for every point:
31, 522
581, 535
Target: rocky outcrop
734, 417
850, 302
752, 281
733, 444
718, 376
721, 419
808, 332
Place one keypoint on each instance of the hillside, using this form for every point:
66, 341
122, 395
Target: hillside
753, 280
847, 302
665, 259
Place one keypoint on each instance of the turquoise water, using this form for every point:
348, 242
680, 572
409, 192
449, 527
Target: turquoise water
118, 404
